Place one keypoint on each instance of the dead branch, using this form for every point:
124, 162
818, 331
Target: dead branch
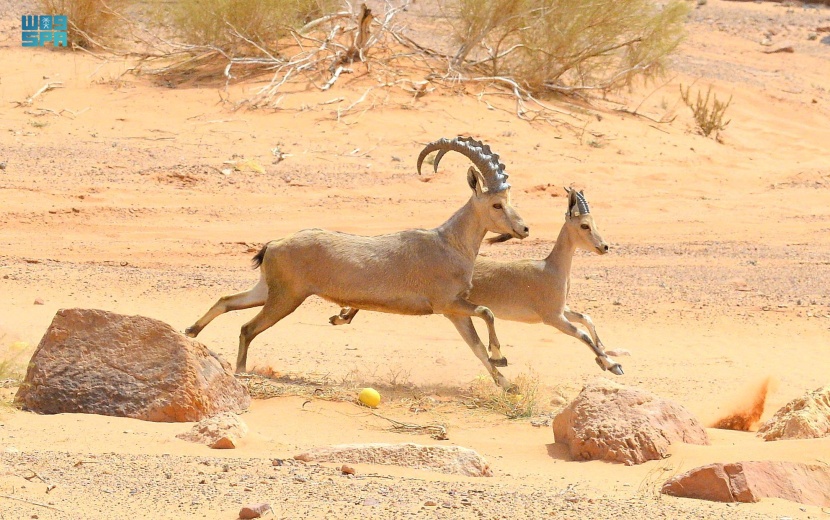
45, 88
32, 502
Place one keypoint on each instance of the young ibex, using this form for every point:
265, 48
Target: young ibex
411, 272
533, 291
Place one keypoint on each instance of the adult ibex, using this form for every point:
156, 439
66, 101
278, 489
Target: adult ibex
411, 272
533, 291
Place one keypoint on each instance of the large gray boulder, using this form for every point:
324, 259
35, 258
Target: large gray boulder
93, 361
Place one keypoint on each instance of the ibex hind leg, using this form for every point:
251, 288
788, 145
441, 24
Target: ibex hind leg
345, 316
275, 309
245, 300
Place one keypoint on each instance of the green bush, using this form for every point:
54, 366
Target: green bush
227, 24
566, 45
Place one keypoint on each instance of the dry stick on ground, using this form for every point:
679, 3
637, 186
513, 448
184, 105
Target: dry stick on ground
436, 431
35, 474
47, 506
45, 88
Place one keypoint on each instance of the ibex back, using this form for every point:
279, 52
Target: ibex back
410, 272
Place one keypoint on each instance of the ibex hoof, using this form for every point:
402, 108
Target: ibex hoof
191, 331
606, 364
336, 320
502, 362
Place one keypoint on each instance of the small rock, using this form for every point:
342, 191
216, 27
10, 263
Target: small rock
224, 443
3, 165
812, 36
823, 29
430, 503
254, 510
781, 47
39, 301
766, 42
347, 470
371, 502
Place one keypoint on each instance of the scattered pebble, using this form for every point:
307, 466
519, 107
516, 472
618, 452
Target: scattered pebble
347, 470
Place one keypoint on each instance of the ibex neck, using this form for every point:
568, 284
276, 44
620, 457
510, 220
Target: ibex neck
563, 251
464, 231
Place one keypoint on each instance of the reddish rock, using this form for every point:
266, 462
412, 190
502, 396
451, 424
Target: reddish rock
222, 431
347, 470
751, 481
608, 421
445, 459
807, 417
92, 361
254, 510
781, 47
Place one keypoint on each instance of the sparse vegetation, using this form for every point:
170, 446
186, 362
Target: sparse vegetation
569, 45
89, 21
518, 403
707, 110
244, 26
11, 368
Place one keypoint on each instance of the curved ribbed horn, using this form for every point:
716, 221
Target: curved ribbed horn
479, 154
582, 204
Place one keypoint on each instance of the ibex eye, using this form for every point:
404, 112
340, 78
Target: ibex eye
497, 206
585, 226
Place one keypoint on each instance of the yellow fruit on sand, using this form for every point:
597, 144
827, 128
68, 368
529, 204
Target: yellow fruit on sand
370, 397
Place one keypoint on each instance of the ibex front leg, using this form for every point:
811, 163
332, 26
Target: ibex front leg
585, 321
561, 322
465, 308
465, 327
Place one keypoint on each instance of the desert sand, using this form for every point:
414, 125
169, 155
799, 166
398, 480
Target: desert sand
717, 279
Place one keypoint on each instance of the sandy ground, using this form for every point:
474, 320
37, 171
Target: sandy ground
718, 275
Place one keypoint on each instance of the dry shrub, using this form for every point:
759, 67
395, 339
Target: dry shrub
519, 402
238, 27
11, 367
708, 111
568, 45
90, 21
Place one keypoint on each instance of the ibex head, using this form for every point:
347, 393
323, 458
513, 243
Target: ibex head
583, 228
487, 179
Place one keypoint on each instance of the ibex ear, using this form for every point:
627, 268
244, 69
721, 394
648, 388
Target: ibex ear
573, 207
474, 179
